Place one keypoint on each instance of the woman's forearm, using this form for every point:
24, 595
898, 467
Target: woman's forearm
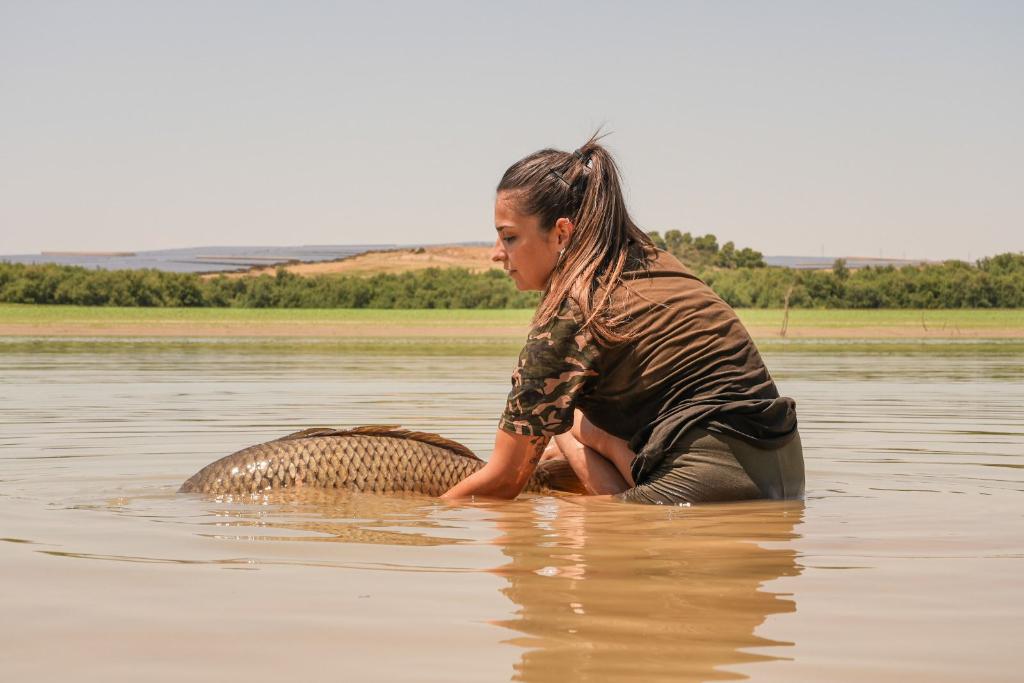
484, 482
512, 462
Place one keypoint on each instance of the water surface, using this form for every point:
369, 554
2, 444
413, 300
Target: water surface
902, 564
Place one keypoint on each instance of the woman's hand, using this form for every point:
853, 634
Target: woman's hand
512, 463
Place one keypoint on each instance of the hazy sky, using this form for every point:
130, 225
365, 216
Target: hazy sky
859, 128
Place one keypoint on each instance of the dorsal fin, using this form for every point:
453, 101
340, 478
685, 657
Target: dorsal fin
393, 431
304, 433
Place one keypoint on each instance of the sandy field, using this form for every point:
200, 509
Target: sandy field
474, 259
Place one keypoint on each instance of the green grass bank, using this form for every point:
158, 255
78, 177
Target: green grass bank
908, 319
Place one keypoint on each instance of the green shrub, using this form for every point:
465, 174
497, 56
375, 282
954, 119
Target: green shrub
996, 282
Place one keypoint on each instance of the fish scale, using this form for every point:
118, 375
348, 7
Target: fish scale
372, 459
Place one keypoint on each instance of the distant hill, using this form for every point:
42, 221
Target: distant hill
365, 259
198, 259
474, 258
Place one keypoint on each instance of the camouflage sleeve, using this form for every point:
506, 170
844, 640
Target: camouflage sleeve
555, 367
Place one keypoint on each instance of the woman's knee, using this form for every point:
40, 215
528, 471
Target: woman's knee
598, 475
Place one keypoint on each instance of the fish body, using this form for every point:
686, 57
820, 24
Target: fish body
374, 459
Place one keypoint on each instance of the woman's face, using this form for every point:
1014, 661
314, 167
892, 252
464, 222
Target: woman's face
527, 254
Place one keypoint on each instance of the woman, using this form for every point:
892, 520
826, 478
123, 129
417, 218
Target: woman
647, 381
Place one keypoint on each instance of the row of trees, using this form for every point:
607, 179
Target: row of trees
996, 282
702, 253
431, 288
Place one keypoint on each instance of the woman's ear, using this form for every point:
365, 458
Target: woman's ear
563, 229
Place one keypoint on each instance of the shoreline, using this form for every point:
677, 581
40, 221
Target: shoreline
363, 330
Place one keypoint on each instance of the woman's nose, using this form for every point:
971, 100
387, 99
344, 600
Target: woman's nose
498, 253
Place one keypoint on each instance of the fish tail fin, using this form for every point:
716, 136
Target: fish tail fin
558, 474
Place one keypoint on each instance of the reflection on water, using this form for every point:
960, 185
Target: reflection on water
903, 562
605, 593
330, 516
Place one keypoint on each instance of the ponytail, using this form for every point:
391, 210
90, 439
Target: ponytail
584, 187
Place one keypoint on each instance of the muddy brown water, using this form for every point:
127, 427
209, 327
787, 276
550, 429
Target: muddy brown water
903, 564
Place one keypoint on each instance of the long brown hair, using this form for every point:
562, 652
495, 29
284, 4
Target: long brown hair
584, 187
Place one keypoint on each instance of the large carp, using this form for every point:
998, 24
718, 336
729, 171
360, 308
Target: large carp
377, 459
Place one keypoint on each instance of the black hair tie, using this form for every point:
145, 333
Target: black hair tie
578, 155
560, 177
